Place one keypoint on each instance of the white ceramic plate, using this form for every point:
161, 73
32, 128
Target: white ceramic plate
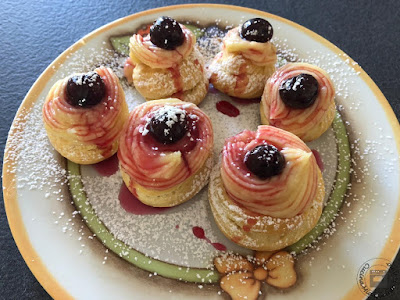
69, 262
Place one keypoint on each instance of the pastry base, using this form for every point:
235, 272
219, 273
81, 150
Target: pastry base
237, 76
157, 83
194, 95
175, 195
268, 234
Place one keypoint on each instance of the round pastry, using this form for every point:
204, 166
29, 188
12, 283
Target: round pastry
299, 97
84, 115
165, 152
246, 61
167, 63
267, 191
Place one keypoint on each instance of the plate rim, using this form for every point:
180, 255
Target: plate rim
14, 217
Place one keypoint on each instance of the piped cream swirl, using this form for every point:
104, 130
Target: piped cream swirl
283, 196
154, 165
99, 125
308, 123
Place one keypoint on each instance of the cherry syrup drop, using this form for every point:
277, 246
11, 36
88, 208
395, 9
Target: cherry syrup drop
227, 109
318, 158
133, 205
107, 167
199, 233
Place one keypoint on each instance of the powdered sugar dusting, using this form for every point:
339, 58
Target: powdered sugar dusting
31, 149
169, 236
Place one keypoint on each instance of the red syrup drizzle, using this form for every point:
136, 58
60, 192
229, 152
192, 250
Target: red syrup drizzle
242, 79
185, 144
199, 233
132, 204
227, 108
250, 224
107, 167
236, 239
177, 78
318, 158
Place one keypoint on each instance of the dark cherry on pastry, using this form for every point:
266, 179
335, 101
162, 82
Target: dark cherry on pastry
265, 161
299, 91
169, 127
167, 63
85, 90
84, 114
257, 30
299, 98
165, 152
166, 33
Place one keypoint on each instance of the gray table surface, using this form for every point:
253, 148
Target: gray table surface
34, 33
